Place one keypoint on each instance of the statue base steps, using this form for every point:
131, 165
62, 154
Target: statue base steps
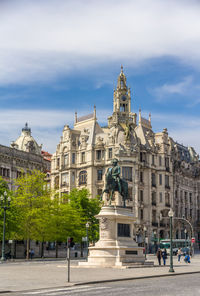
116, 247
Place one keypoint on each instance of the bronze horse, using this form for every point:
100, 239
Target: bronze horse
112, 186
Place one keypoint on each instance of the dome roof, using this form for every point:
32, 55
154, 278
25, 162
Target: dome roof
26, 142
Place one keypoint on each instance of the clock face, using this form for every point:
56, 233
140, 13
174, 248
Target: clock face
124, 98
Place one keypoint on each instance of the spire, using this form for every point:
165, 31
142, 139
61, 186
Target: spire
150, 118
75, 117
26, 128
121, 83
95, 112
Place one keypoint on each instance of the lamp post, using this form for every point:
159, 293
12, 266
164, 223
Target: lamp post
145, 251
185, 237
171, 214
87, 225
5, 203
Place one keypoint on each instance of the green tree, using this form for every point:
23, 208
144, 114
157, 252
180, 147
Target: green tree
88, 208
31, 201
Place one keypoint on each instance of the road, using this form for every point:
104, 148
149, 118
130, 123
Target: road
164, 286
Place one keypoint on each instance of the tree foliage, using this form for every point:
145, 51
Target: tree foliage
36, 213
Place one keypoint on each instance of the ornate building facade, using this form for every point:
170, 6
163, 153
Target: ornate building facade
161, 174
23, 156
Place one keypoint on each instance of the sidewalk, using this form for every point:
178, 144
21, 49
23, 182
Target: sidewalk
29, 275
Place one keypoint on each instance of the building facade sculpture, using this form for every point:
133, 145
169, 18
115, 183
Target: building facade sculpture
161, 174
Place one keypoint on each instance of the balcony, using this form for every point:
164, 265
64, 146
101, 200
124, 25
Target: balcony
167, 186
64, 167
162, 224
155, 224
64, 184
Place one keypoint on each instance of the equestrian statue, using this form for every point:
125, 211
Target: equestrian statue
115, 183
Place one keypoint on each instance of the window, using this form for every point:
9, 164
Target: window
160, 161
185, 197
190, 197
83, 177
83, 157
73, 177
166, 181
153, 160
153, 179
58, 162
65, 179
167, 199
141, 214
154, 198
141, 196
99, 175
160, 197
130, 193
141, 177
190, 213
160, 179
65, 159
127, 173
154, 216
73, 158
167, 163
98, 154
110, 153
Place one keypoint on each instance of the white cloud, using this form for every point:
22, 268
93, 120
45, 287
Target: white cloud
42, 39
180, 88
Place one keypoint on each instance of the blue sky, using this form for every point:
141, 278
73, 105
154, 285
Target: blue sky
58, 57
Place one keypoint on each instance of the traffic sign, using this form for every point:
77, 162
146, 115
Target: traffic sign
193, 240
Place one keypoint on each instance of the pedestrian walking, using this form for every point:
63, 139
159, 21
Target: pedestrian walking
179, 254
164, 256
159, 255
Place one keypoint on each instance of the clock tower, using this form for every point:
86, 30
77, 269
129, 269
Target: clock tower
121, 102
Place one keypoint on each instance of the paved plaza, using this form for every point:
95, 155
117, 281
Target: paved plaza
28, 275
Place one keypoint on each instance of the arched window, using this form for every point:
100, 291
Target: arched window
83, 177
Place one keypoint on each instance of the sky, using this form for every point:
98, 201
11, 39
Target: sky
62, 56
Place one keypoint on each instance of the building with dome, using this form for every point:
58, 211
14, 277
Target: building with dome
161, 173
24, 155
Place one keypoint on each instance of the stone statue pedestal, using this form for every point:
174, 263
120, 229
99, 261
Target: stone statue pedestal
116, 247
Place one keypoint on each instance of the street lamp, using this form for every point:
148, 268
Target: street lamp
171, 214
145, 232
5, 203
185, 237
87, 225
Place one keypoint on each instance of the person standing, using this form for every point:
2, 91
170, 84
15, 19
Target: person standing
179, 254
164, 256
159, 255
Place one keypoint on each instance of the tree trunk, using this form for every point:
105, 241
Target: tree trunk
56, 249
27, 248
